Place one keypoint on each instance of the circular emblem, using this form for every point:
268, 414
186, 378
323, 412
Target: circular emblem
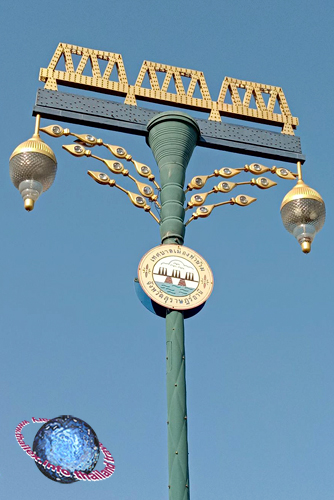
175, 277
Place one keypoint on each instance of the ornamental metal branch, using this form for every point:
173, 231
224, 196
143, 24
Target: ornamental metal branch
225, 187
197, 200
204, 211
116, 167
136, 200
199, 181
91, 141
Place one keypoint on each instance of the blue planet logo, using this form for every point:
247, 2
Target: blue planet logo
66, 449
69, 443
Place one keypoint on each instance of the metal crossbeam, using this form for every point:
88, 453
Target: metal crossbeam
105, 114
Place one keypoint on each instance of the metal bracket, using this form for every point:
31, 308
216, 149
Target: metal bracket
105, 114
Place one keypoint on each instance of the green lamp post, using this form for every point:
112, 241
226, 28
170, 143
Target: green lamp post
172, 138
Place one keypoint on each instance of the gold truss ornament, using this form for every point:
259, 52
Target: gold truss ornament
181, 96
269, 104
89, 58
261, 111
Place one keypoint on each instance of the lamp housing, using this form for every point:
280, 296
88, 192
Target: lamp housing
303, 214
32, 169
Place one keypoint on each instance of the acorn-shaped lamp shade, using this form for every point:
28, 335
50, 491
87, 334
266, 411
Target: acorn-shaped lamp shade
32, 169
303, 214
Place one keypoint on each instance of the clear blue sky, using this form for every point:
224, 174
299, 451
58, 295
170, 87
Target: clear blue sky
75, 339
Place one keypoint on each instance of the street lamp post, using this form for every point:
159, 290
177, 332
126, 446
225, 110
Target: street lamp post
172, 138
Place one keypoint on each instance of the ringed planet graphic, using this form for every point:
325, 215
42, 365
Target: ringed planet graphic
66, 449
69, 442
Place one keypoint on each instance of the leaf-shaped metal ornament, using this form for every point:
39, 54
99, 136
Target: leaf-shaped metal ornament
100, 177
88, 139
198, 182
137, 200
116, 167
77, 150
243, 200
204, 211
142, 169
284, 173
227, 172
53, 130
225, 186
264, 183
256, 168
145, 190
197, 200
117, 151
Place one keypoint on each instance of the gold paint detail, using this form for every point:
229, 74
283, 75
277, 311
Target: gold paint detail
198, 182
117, 151
227, 172
178, 86
206, 210
243, 200
136, 199
76, 150
90, 60
226, 187
50, 130
256, 168
299, 191
306, 246
198, 199
166, 267
29, 204
257, 111
241, 99
99, 177
299, 171
263, 183
34, 145
283, 173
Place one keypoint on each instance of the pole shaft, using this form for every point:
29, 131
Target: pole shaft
172, 138
176, 407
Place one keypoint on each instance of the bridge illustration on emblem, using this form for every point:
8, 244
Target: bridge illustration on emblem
176, 277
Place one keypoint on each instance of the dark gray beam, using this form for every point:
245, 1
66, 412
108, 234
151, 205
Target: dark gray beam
101, 113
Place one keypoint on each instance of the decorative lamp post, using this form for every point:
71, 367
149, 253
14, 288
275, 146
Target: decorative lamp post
303, 212
173, 281
32, 168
